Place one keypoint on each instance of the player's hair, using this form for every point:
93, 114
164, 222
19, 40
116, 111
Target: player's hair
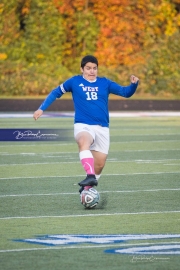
88, 58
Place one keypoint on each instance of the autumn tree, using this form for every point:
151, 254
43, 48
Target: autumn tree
34, 54
42, 42
122, 24
82, 30
162, 50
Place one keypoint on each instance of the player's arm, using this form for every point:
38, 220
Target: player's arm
56, 93
37, 114
124, 91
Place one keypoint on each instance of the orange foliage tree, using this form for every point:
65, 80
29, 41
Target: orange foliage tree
43, 40
122, 26
123, 30
81, 29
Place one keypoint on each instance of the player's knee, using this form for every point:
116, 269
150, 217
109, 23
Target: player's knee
84, 140
83, 143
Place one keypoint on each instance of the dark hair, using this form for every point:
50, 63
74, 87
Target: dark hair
88, 58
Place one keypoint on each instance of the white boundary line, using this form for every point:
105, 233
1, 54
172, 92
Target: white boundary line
108, 160
29, 144
83, 246
73, 143
91, 215
111, 114
75, 193
75, 152
38, 163
82, 175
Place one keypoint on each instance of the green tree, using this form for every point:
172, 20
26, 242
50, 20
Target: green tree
87, 29
162, 71
82, 30
10, 34
44, 33
32, 46
42, 42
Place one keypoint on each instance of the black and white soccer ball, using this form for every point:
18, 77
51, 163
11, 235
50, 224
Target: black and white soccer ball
90, 197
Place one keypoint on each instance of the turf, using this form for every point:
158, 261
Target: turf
139, 188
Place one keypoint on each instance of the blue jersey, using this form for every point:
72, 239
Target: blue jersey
90, 98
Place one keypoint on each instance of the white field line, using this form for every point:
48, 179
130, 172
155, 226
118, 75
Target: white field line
170, 164
43, 153
77, 161
136, 135
75, 193
39, 144
137, 150
162, 129
83, 246
65, 144
76, 153
112, 114
143, 114
82, 175
37, 163
92, 215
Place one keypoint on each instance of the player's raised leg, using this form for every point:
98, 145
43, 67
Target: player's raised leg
84, 140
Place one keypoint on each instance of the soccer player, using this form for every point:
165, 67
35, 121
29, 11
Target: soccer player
91, 122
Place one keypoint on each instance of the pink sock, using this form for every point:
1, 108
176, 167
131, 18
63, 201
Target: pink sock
87, 187
88, 165
87, 161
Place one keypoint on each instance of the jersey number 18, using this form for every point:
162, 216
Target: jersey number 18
91, 95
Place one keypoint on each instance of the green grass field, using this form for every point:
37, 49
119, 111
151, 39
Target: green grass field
139, 188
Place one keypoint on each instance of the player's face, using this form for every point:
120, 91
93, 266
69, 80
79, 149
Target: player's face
90, 71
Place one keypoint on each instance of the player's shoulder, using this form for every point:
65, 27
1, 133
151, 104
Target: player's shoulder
75, 78
103, 80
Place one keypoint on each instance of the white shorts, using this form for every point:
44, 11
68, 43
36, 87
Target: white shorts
99, 134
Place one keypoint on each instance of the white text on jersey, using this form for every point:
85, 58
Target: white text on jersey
90, 89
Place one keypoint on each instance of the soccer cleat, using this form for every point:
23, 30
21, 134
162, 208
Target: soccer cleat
81, 189
90, 180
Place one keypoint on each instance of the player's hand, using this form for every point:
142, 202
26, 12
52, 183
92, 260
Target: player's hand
37, 114
134, 79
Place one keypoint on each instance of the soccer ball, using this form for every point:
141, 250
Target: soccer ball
89, 198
